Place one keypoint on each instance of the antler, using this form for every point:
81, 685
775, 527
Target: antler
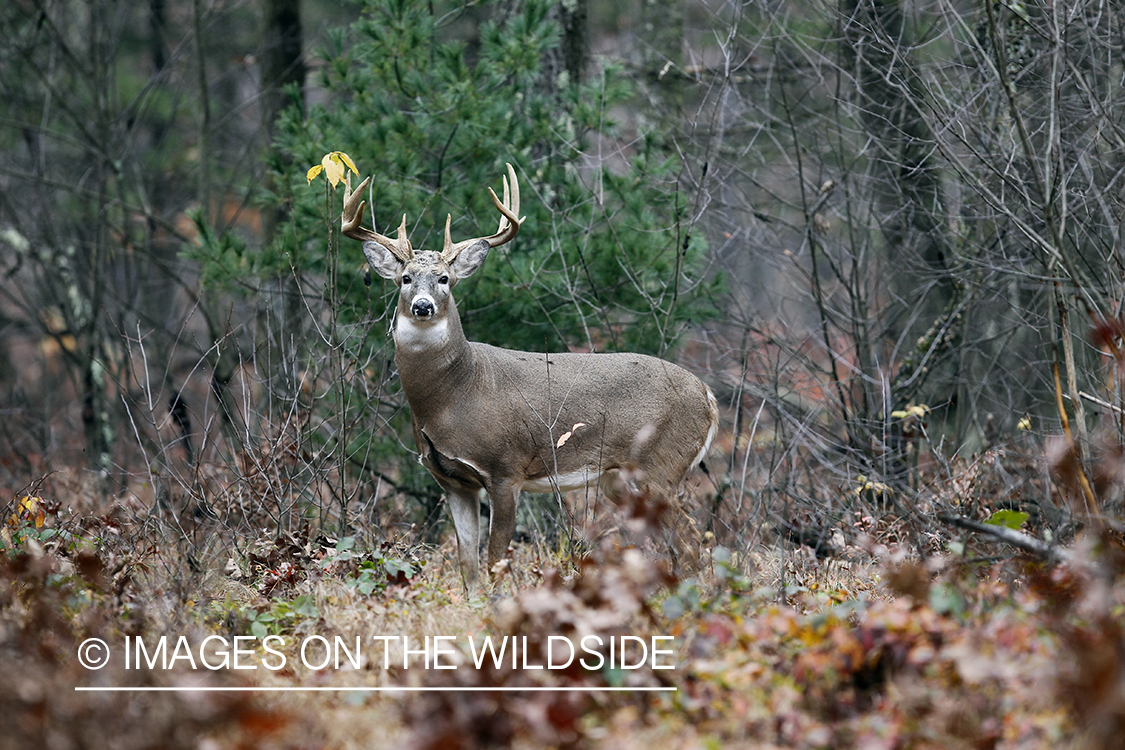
509, 220
353, 215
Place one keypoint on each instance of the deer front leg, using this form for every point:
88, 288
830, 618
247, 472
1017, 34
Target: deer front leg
503, 497
465, 508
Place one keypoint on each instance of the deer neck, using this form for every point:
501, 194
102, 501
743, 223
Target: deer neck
433, 357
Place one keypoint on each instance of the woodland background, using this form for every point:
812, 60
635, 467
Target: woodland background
888, 234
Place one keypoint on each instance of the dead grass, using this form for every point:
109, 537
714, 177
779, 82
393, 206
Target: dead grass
774, 647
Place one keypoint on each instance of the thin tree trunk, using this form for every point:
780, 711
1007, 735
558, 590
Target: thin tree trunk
282, 66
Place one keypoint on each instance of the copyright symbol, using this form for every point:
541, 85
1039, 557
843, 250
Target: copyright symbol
93, 653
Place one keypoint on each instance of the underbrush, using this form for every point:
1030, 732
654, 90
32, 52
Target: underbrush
767, 647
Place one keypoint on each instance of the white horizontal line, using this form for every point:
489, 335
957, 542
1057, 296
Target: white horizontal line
373, 689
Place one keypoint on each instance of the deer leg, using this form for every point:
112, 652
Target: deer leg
465, 508
504, 497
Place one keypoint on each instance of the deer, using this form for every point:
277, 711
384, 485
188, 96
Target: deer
503, 421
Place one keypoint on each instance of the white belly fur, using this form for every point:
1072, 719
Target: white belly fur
571, 480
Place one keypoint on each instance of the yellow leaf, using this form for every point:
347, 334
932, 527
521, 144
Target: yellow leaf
348, 161
29, 503
333, 168
911, 411
334, 165
1024, 424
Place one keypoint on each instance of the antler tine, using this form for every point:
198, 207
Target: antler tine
351, 223
510, 220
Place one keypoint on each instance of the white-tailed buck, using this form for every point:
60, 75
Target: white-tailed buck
492, 418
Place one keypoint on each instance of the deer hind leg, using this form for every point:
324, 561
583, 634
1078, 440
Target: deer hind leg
503, 498
464, 506
663, 485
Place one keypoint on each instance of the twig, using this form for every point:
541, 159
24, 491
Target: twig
1083, 481
1102, 403
1013, 537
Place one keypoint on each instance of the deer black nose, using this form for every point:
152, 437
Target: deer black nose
422, 308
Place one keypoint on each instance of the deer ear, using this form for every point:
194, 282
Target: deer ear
382, 261
470, 259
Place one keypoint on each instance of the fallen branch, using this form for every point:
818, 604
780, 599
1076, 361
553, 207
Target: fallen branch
1013, 537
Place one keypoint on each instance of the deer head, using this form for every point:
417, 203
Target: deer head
426, 278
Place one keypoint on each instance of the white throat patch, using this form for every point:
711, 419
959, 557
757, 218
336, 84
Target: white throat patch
417, 335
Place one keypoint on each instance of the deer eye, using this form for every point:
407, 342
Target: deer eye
406, 279
443, 280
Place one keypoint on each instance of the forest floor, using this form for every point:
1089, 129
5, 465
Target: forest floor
320, 644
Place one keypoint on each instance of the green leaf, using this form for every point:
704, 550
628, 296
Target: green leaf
394, 567
1012, 519
303, 605
946, 600
673, 607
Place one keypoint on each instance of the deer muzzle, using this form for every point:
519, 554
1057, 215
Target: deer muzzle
422, 308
